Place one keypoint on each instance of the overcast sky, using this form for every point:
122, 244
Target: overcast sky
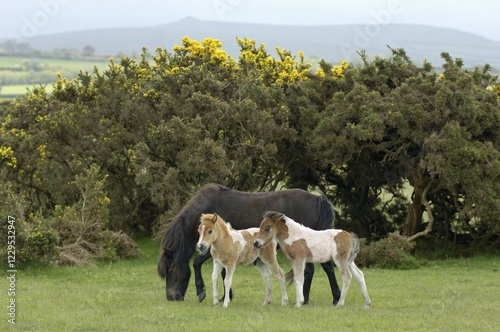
27, 18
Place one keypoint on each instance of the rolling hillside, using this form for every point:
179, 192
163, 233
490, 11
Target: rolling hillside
332, 43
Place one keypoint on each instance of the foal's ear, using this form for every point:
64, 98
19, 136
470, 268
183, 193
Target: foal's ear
214, 218
282, 218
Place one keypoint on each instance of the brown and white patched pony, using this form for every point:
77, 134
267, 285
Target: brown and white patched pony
230, 247
302, 244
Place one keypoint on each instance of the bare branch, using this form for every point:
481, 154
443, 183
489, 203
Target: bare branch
428, 209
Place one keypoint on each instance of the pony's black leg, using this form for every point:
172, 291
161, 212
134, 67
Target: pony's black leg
198, 278
328, 267
223, 274
308, 276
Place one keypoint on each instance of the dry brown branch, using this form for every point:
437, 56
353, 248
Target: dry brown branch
428, 209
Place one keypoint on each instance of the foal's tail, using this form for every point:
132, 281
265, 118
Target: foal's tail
289, 277
355, 248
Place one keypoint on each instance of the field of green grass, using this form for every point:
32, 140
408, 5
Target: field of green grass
448, 295
22, 89
38, 70
47, 63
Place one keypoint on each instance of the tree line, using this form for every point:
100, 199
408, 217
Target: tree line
395, 146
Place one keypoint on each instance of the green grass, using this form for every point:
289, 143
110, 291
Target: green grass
48, 63
21, 89
447, 295
15, 69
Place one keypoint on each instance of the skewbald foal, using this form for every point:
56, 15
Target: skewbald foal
302, 244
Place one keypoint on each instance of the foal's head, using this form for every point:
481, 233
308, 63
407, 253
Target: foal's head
272, 226
207, 231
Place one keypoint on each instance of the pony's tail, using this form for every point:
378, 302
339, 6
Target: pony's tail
326, 214
162, 271
355, 248
289, 277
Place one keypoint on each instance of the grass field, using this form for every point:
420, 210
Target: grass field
47, 63
30, 69
449, 295
21, 89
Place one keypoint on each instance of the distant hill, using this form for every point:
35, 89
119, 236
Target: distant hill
332, 43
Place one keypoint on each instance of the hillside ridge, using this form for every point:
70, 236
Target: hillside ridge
330, 42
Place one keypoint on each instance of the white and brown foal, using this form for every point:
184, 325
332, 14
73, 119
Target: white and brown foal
230, 247
302, 244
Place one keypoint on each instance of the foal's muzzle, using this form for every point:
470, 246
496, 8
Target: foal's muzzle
202, 248
257, 244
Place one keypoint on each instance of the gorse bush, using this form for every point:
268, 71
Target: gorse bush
83, 227
73, 235
380, 139
35, 241
32, 237
393, 252
38, 242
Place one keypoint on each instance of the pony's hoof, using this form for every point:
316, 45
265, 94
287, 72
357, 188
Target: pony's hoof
202, 296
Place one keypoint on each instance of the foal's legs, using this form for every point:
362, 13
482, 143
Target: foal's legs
223, 275
227, 283
360, 278
215, 276
266, 275
346, 279
334, 286
308, 276
298, 266
269, 258
198, 278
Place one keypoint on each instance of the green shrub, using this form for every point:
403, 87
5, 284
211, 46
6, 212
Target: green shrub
392, 252
83, 227
38, 242
118, 245
32, 238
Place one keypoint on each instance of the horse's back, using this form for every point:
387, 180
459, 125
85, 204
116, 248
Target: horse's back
246, 209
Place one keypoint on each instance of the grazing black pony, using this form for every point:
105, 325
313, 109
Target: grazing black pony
243, 210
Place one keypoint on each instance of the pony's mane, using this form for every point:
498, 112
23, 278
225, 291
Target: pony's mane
224, 226
290, 221
174, 239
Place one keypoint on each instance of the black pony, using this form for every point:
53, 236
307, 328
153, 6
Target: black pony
242, 210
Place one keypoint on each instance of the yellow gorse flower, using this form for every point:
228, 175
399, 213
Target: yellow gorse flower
338, 71
209, 49
7, 156
320, 73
